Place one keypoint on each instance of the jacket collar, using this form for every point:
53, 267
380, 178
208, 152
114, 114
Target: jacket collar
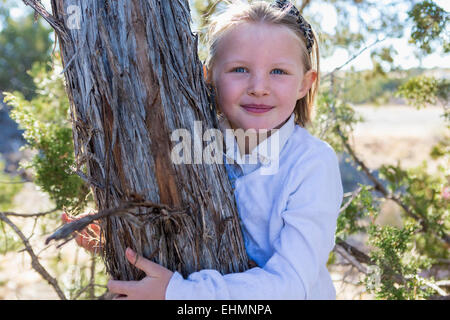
266, 151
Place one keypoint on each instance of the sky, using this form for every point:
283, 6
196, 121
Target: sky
404, 58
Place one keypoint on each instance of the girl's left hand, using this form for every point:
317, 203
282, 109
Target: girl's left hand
152, 287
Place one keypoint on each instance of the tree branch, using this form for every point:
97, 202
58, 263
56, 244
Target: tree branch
303, 5
354, 194
356, 257
360, 256
28, 215
347, 256
57, 25
378, 186
66, 230
353, 57
34, 259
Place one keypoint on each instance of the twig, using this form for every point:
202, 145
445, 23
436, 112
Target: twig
87, 180
386, 194
339, 249
92, 279
357, 257
303, 5
434, 287
67, 229
66, 241
54, 23
80, 292
443, 283
353, 58
34, 259
354, 194
70, 62
27, 215
78, 225
12, 182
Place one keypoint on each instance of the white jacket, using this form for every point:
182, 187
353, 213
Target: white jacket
288, 221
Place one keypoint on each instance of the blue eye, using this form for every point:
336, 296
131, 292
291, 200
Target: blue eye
242, 69
238, 68
281, 71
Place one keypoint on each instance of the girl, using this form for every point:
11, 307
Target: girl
264, 64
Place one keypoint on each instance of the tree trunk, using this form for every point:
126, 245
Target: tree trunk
133, 77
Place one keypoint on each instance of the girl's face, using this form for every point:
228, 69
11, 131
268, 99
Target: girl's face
259, 76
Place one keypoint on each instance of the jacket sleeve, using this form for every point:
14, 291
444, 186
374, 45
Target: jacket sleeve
300, 250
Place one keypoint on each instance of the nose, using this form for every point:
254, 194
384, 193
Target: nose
258, 85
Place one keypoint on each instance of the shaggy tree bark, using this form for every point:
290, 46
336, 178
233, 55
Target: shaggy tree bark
133, 76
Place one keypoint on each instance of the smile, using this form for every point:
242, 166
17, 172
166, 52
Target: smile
256, 108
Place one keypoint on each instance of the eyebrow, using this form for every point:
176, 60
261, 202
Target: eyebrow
245, 62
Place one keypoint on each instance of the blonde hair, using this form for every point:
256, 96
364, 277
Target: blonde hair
237, 13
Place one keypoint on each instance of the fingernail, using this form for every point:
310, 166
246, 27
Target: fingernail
131, 253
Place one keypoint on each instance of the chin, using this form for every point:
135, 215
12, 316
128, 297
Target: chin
257, 125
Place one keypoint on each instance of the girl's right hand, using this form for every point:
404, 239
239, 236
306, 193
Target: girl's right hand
89, 237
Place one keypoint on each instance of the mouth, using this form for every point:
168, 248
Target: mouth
257, 108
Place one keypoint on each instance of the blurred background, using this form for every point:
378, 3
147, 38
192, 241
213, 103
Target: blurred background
370, 51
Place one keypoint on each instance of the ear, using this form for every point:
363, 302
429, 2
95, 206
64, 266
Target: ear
307, 82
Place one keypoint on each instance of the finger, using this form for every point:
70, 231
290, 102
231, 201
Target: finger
90, 233
121, 297
88, 243
82, 242
121, 287
95, 228
150, 268
65, 218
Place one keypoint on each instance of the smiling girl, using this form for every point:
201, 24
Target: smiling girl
264, 64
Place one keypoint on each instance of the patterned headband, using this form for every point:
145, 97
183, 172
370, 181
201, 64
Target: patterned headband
303, 24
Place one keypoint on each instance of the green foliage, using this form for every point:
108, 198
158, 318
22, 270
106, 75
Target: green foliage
361, 210
430, 25
48, 131
358, 21
9, 240
22, 43
421, 192
441, 148
9, 187
378, 86
419, 91
75, 278
324, 125
372, 86
398, 263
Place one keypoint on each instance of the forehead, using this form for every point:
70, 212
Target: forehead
255, 41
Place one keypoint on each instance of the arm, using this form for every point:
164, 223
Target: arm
302, 247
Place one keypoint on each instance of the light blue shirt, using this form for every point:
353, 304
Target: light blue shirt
288, 222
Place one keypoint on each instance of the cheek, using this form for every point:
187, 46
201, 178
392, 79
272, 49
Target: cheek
288, 91
228, 92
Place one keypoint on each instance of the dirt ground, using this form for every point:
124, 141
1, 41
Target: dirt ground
389, 134
398, 133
